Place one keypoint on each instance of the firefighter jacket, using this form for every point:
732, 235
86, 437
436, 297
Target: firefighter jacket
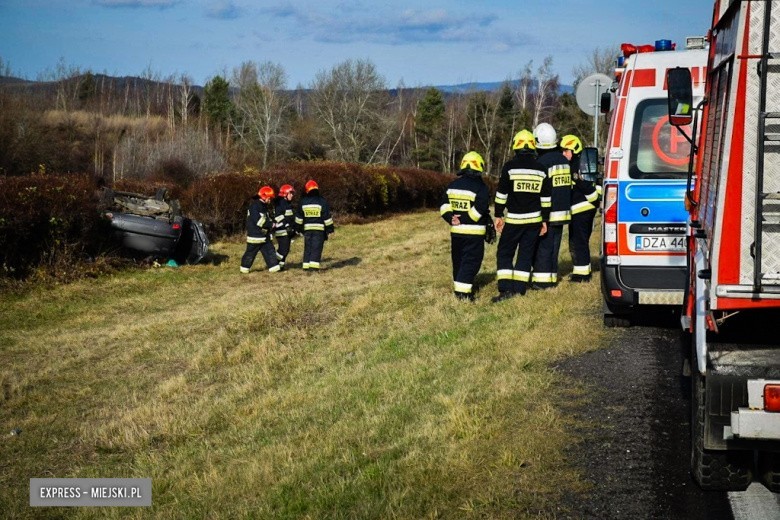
584, 196
259, 222
559, 172
521, 188
314, 214
469, 198
284, 219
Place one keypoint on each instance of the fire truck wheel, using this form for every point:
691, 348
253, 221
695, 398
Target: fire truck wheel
715, 470
769, 469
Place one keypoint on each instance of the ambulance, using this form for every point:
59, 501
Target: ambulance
643, 249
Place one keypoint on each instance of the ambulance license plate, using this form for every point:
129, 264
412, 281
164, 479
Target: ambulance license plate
659, 243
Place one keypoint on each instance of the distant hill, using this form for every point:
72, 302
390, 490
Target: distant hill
492, 86
122, 82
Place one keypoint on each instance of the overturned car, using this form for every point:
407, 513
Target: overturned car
153, 227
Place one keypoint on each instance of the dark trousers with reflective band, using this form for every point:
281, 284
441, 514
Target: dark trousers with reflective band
313, 243
283, 249
467, 254
580, 229
520, 240
545, 271
266, 249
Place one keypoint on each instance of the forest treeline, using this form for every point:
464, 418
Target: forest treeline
151, 126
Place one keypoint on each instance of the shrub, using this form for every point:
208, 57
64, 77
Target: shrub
49, 221
220, 202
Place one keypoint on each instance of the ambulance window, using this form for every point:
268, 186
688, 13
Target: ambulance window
658, 150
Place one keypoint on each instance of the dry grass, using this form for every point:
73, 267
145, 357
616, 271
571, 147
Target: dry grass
363, 391
114, 123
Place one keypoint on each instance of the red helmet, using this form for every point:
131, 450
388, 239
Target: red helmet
266, 193
312, 185
285, 190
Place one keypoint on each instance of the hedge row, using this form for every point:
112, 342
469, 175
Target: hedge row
220, 202
48, 220
46, 217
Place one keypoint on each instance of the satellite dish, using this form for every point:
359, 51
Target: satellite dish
589, 92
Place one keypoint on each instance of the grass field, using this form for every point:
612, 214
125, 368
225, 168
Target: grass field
363, 391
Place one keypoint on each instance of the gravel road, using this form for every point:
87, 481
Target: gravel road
635, 424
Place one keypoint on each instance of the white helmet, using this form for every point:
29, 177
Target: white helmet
546, 138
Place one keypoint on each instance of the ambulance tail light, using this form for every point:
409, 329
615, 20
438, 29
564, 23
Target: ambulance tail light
610, 221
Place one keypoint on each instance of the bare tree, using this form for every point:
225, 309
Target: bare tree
546, 90
260, 105
185, 97
483, 114
5, 68
350, 101
600, 60
525, 83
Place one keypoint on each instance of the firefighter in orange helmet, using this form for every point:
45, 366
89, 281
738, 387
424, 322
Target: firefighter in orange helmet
259, 226
284, 222
313, 219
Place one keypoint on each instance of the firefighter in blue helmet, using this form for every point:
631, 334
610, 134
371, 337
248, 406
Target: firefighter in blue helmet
313, 219
584, 200
284, 222
545, 267
465, 207
521, 187
259, 226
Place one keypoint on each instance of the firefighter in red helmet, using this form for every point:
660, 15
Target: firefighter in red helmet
284, 222
259, 226
314, 220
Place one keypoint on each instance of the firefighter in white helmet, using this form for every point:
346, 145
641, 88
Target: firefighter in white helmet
521, 187
466, 208
584, 199
545, 267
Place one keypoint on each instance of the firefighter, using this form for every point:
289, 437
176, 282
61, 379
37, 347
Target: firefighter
259, 226
313, 219
584, 198
545, 266
522, 186
284, 222
466, 207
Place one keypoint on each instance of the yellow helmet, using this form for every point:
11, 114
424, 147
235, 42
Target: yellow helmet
524, 139
474, 161
571, 142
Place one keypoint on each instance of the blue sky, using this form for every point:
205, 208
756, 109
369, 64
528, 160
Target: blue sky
432, 42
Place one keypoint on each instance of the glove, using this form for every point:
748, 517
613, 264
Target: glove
490, 233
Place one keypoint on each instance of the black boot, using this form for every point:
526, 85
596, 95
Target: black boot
466, 297
502, 295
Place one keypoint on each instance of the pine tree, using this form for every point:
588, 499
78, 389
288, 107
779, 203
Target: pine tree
429, 130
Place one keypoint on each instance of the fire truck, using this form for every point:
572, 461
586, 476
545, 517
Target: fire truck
732, 302
646, 164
